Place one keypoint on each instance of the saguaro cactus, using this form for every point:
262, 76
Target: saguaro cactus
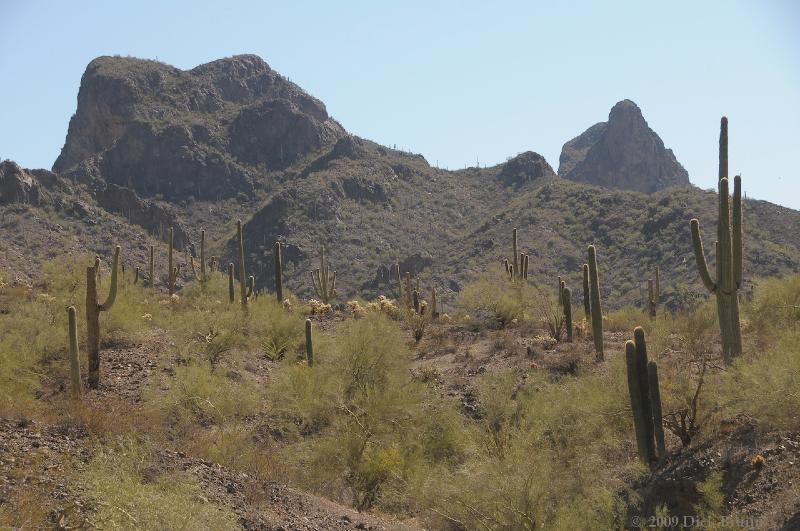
596, 310
93, 310
399, 282
587, 308
434, 311
655, 403
645, 399
173, 271
729, 254
231, 291
74, 361
201, 275
566, 297
515, 271
309, 344
525, 266
136, 276
323, 280
243, 287
415, 297
278, 273
152, 271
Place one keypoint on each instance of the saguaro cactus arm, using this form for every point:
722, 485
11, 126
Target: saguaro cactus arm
736, 222
700, 256
112, 291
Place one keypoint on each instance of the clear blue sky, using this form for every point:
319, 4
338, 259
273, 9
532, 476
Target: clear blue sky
454, 81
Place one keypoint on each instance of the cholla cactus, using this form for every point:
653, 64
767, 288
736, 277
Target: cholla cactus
93, 310
323, 280
729, 254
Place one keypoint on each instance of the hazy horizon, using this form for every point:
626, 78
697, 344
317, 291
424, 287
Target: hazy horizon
458, 83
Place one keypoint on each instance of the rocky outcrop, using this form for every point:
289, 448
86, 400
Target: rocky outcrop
147, 214
17, 185
525, 168
205, 133
622, 153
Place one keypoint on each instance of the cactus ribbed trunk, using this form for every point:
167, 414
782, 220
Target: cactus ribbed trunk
399, 282
278, 273
415, 297
655, 399
728, 248
587, 307
242, 272
434, 311
515, 271
596, 310
309, 344
566, 296
93, 310
173, 272
152, 271
651, 298
74, 360
231, 291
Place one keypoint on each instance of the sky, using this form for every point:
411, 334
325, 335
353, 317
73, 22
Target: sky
460, 82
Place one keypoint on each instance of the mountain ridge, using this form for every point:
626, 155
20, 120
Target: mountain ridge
199, 148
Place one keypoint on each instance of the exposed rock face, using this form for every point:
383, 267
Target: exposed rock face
148, 214
206, 132
622, 153
524, 168
17, 185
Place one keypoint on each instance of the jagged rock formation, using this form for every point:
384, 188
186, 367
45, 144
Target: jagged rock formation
152, 146
622, 153
204, 133
525, 168
17, 185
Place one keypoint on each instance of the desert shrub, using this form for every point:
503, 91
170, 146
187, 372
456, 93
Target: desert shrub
545, 458
775, 306
624, 320
764, 385
375, 430
493, 298
130, 492
688, 381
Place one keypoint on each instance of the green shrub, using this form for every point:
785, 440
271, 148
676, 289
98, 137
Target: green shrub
494, 298
369, 428
130, 492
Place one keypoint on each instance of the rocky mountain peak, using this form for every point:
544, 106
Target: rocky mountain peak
207, 132
524, 168
622, 153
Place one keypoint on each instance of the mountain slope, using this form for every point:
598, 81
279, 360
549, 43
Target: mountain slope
152, 146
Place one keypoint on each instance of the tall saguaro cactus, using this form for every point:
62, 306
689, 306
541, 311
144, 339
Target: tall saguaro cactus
596, 310
729, 254
152, 271
278, 273
587, 307
309, 344
566, 298
93, 310
74, 361
173, 271
201, 277
245, 288
515, 271
323, 280
231, 291
645, 398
